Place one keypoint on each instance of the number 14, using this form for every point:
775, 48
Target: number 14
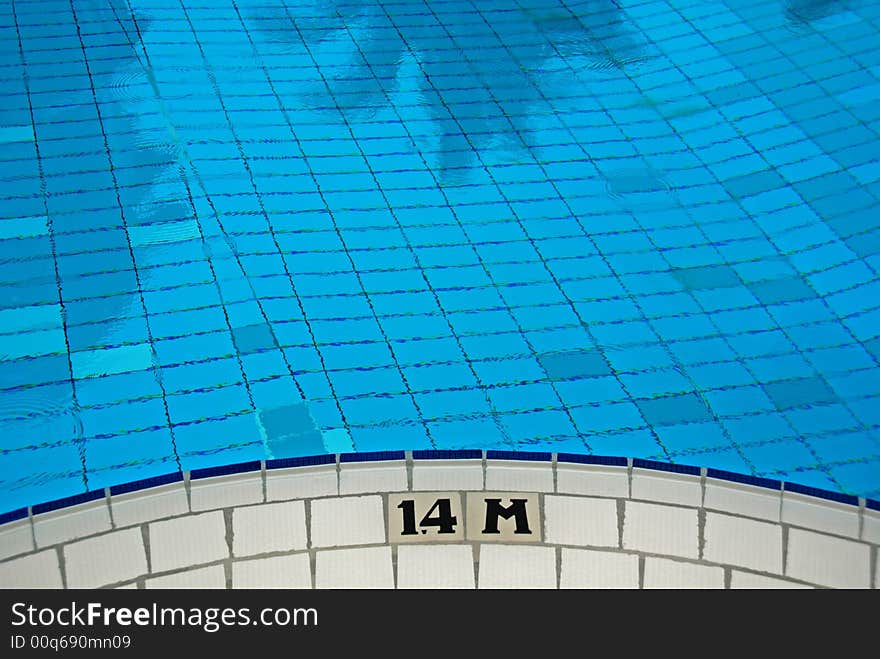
440, 515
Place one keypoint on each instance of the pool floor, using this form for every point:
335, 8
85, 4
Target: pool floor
237, 230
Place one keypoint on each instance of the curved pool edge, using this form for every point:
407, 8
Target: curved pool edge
329, 522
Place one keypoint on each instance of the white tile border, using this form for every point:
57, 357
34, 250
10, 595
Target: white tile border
605, 525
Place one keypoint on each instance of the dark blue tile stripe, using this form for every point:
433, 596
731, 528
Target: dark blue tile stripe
822, 494
67, 502
374, 456
302, 461
666, 466
873, 504
591, 459
767, 483
518, 455
147, 483
225, 470
448, 455
13, 515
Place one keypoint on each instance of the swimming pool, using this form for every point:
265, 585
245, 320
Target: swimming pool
247, 229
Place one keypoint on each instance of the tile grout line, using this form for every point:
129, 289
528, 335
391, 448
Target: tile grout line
145, 540
187, 487
34, 547
307, 503
386, 539
874, 557
476, 546
109, 507
558, 568
230, 539
621, 519
785, 541
629, 478
863, 512
701, 532
62, 566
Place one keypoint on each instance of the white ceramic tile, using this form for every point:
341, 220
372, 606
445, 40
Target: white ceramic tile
226, 491
871, 526
211, 577
129, 586
149, 505
743, 499
442, 475
519, 476
435, 566
106, 559
819, 514
877, 570
342, 521
747, 580
372, 477
269, 527
667, 573
660, 529
665, 487
827, 561
187, 541
580, 521
16, 538
301, 483
71, 523
291, 571
744, 542
366, 567
517, 566
592, 480
587, 568
38, 570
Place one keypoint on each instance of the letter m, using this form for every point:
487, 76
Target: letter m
516, 509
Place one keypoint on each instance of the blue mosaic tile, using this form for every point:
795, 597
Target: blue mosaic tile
305, 461
706, 277
591, 459
786, 394
665, 466
681, 408
822, 494
735, 477
13, 515
575, 364
226, 470
67, 502
529, 456
253, 338
146, 483
372, 456
776, 291
448, 455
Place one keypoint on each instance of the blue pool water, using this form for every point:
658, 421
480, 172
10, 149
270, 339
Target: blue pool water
247, 229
